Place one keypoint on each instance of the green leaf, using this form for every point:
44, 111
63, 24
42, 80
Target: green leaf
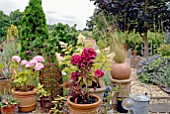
89, 83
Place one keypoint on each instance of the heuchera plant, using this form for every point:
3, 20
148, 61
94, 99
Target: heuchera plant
85, 76
25, 73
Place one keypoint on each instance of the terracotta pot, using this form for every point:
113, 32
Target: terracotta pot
8, 110
27, 100
134, 52
120, 70
84, 108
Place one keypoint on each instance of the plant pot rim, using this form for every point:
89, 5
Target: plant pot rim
11, 106
97, 89
84, 106
24, 92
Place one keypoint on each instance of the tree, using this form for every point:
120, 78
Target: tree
34, 30
141, 15
4, 24
62, 33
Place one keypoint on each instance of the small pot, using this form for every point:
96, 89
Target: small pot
84, 108
8, 110
27, 100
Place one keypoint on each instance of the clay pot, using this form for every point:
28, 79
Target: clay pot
84, 108
8, 110
27, 100
134, 52
120, 70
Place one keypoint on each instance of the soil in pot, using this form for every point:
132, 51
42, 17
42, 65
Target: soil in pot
119, 105
84, 108
91, 100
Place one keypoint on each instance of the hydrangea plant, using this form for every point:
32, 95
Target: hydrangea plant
25, 73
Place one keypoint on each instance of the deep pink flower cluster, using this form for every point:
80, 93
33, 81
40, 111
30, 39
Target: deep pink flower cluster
85, 63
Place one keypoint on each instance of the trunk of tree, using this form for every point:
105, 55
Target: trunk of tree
145, 41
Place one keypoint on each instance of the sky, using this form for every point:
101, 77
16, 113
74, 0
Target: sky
64, 11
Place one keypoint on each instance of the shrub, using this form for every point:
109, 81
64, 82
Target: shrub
34, 30
154, 70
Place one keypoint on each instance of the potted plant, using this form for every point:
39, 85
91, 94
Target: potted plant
8, 104
25, 80
120, 68
100, 62
84, 75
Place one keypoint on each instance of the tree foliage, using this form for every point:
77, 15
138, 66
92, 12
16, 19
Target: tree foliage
63, 33
141, 15
4, 24
34, 29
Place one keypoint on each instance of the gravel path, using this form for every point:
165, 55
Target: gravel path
155, 90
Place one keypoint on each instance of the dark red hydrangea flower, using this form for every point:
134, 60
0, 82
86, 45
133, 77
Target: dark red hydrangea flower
76, 59
75, 75
99, 73
88, 54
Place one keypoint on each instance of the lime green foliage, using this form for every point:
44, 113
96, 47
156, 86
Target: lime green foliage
164, 50
34, 30
25, 78
64, 62
58, 105
12, 32
41, 91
